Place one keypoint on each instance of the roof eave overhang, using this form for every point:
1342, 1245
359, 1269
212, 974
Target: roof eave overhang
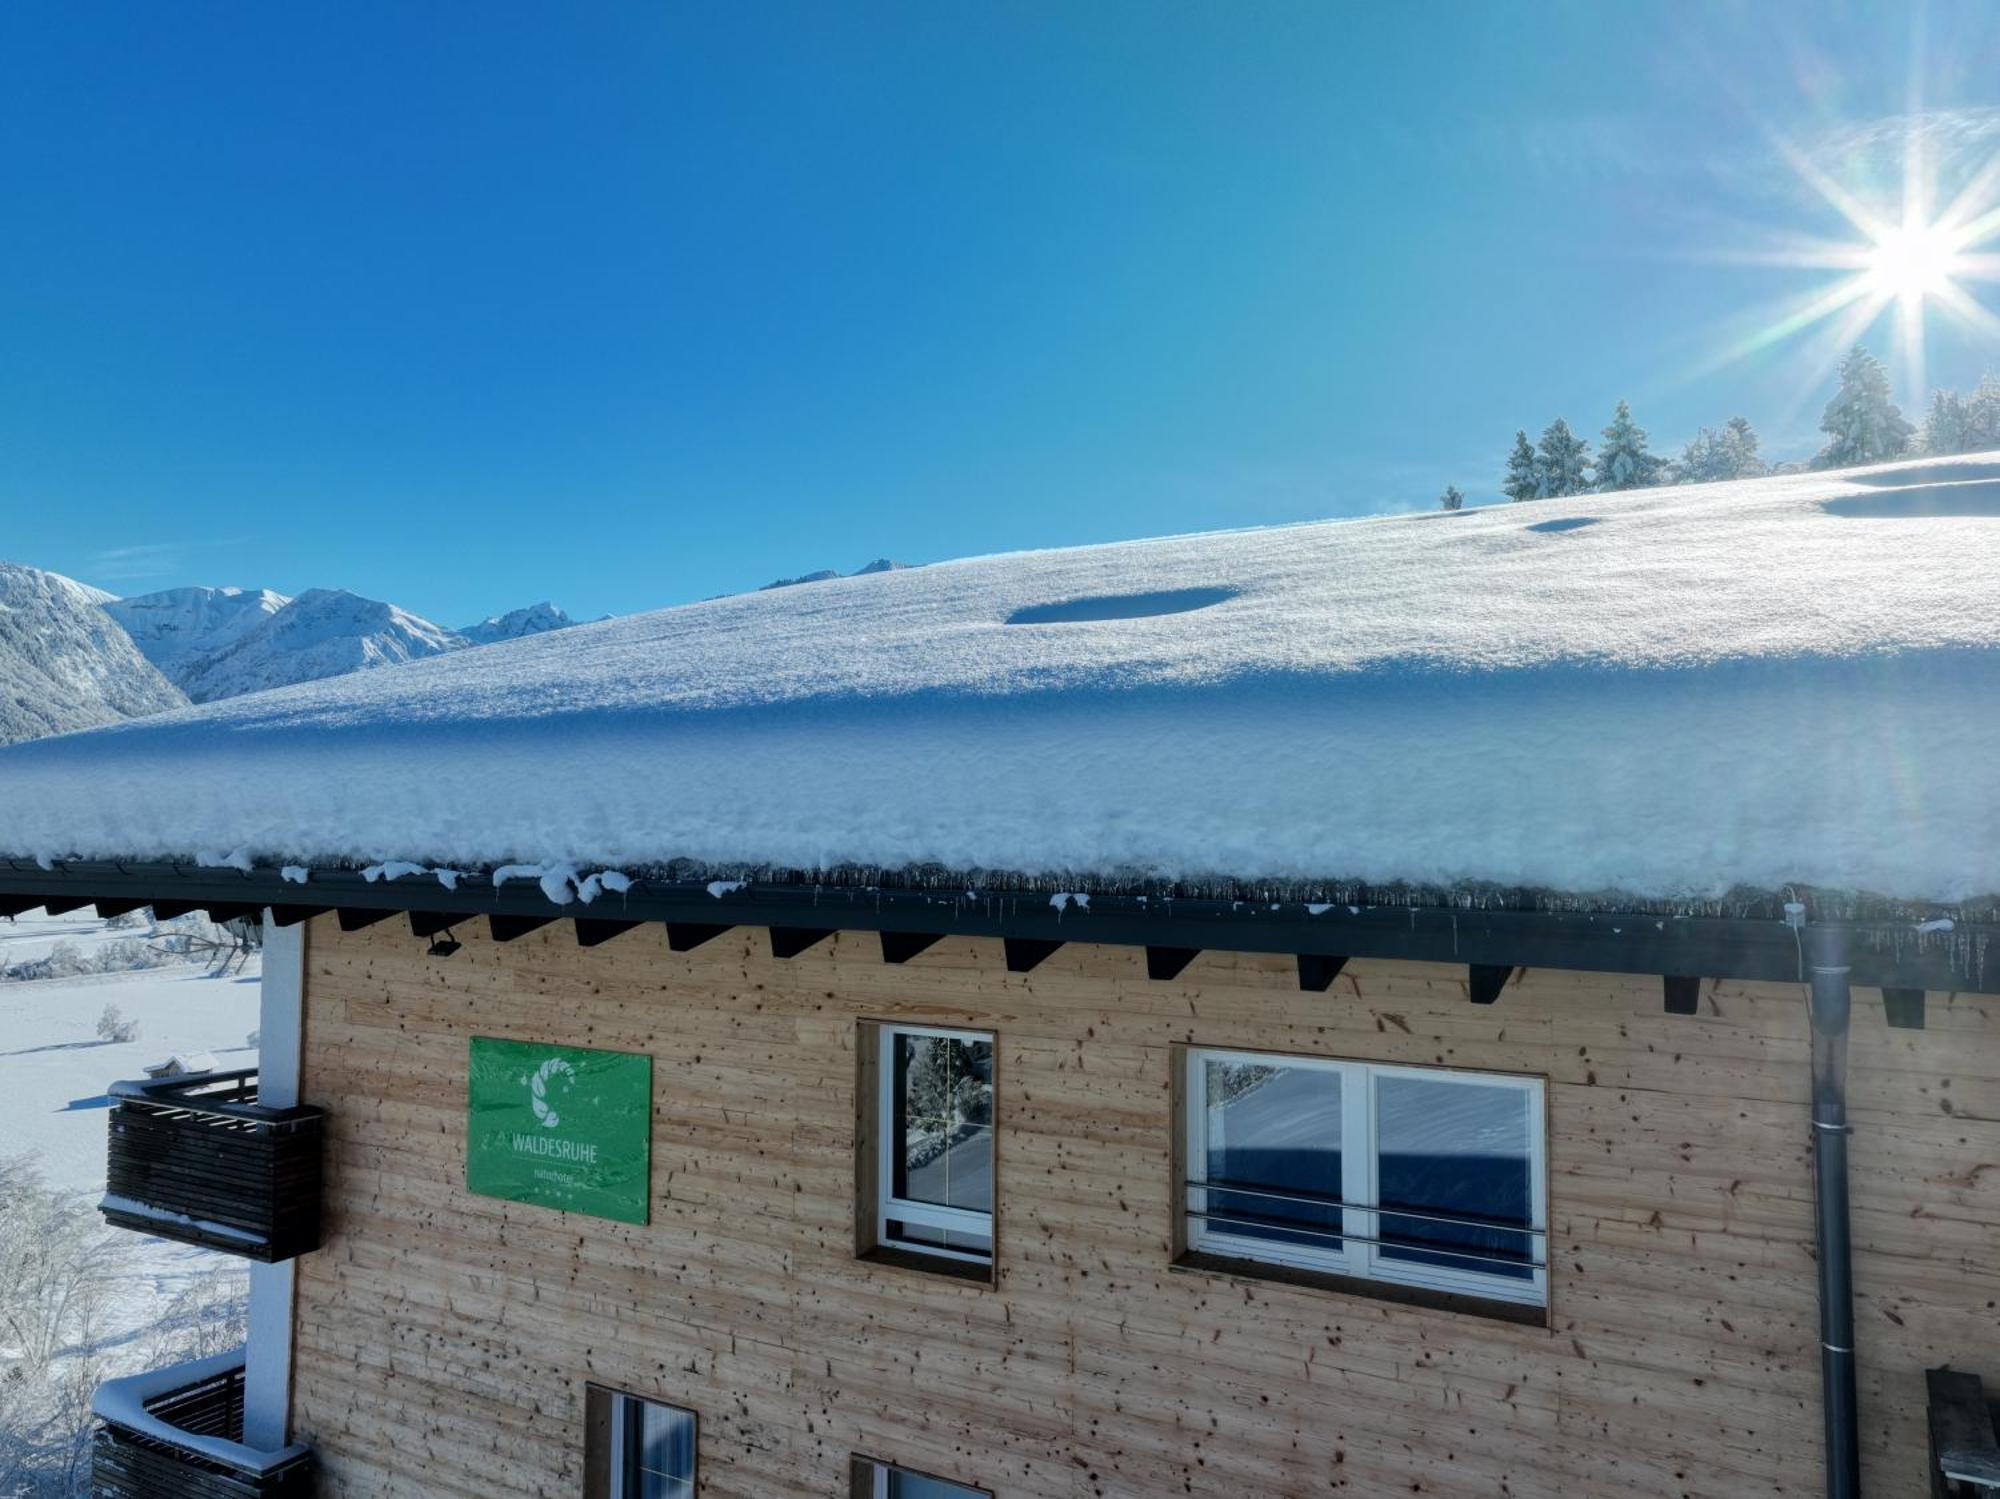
1898, 955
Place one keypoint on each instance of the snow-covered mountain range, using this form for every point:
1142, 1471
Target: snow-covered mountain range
180, 627
223, 642
74, 657
324, 632
65, 663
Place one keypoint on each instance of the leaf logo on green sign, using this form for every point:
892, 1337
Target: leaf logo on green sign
538, 1090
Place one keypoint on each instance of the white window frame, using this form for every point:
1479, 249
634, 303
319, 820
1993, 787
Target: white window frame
1359, 1255
889, 1207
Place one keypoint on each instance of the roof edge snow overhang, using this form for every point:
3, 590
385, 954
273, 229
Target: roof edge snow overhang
1936, 955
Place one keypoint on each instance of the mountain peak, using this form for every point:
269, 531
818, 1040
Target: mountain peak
178, 626
64, 664
827, 574
324, 632
221, 642
533, 619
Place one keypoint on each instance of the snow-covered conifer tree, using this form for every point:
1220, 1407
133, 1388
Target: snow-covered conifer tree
1452, 498
1524, 472
1711, 456
1739, 443
1981, 433
1863, 425
1624, 461
1563, 460
1944, 426
1701, 460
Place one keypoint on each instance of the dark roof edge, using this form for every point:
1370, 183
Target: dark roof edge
1934, 955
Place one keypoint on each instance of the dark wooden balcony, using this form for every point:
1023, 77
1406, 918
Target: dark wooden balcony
199, 1160
1965, 1458
178, 1434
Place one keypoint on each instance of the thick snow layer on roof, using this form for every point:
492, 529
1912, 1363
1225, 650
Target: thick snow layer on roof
1666, 693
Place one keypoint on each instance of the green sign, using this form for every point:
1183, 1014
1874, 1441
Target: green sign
561, 1127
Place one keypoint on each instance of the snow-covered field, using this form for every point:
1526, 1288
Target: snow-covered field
1657, 696
53, 1068
54, 1073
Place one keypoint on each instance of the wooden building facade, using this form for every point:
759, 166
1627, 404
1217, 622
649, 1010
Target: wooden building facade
445, 1342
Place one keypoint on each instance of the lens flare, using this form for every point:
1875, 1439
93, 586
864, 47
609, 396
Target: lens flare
1913, 257
1918, 261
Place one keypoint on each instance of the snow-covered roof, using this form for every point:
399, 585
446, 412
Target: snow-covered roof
1668, 693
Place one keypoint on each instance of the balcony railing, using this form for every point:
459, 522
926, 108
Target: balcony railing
198, 1159
1965, 1458
178, 1434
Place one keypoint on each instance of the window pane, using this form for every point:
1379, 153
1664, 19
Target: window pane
640, 1449
915, 1486
1456, 1149
1275, 1128
666, 1440
943, 1136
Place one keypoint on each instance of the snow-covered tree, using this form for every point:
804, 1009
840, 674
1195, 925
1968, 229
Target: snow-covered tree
1711, 456
55, 1264
1452, 499
1863, 425
1739, 440
1981, 433
1701, 459
1624, 462
207, 1316
948, 1087
1563, 462
1944, 426
1524, 472
113, 1026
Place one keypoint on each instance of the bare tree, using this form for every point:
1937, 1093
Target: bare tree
223, 948
208, 1315
55, 1261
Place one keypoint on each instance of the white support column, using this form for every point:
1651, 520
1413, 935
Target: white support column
267, 1361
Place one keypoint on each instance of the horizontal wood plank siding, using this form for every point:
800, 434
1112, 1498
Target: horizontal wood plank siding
444, 1340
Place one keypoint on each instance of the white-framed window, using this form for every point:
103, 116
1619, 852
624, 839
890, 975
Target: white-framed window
636, 1448
878, 1480
1414, 1175
934, 1142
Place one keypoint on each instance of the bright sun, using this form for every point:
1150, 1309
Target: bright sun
1919, 259
1913, 261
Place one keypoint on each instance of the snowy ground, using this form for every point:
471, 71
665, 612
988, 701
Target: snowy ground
54, 1072
1660, 697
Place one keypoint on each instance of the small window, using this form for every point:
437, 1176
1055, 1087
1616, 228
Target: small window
927, 1171
873, 1480
636, 1449
1413, 1176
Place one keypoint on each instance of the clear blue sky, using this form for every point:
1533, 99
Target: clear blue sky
466, 305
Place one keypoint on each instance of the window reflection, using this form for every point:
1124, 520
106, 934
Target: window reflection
1276, 1129
944, 1125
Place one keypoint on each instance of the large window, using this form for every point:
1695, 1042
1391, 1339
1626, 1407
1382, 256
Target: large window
932, 1151
1415, 1176
873, 1480
636, 1449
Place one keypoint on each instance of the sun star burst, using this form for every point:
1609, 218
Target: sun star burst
1915, 258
